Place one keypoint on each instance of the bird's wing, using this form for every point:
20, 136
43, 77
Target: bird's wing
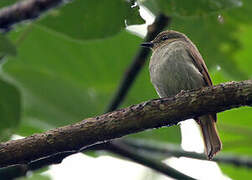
200, 64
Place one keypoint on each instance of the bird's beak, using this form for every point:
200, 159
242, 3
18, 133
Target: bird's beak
147, 44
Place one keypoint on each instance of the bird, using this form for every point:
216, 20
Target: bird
176, 65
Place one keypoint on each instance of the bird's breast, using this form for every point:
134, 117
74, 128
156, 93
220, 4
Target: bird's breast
172, 70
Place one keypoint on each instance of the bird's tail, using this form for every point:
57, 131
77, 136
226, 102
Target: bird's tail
210, 135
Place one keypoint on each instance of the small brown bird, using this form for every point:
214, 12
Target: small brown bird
176, 65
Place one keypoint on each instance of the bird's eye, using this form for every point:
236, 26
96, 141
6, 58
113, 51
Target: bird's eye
164, 38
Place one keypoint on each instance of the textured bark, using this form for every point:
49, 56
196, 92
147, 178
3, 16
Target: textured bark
151, 114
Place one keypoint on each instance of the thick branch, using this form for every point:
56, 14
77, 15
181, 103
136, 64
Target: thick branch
151, 114
25, 10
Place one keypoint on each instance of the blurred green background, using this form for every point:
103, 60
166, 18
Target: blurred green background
66, 65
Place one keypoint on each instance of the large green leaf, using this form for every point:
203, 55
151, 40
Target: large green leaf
89, 19
189, 7
70, 80
9, 109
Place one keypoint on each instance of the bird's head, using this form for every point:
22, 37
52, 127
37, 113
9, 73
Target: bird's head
164, 37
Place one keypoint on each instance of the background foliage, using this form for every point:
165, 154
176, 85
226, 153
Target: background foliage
66, 66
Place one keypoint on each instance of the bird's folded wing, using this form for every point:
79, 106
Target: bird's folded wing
200, 64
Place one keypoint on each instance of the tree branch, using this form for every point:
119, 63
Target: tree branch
151, 114
174, 151
25, 10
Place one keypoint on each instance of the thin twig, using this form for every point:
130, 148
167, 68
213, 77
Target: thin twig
13, 172
175, 151
138, 62
25, 10
129, 77
130, 153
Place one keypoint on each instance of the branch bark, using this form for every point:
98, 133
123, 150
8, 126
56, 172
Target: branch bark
151, 114
25, 10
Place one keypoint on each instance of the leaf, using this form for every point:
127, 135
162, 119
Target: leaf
241, 14
88, 19
243, 56
10, 108
215, 41
236, 173
133, 17
7, 3
165, 134
71, 80
189, 8
6, 46
236, 135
